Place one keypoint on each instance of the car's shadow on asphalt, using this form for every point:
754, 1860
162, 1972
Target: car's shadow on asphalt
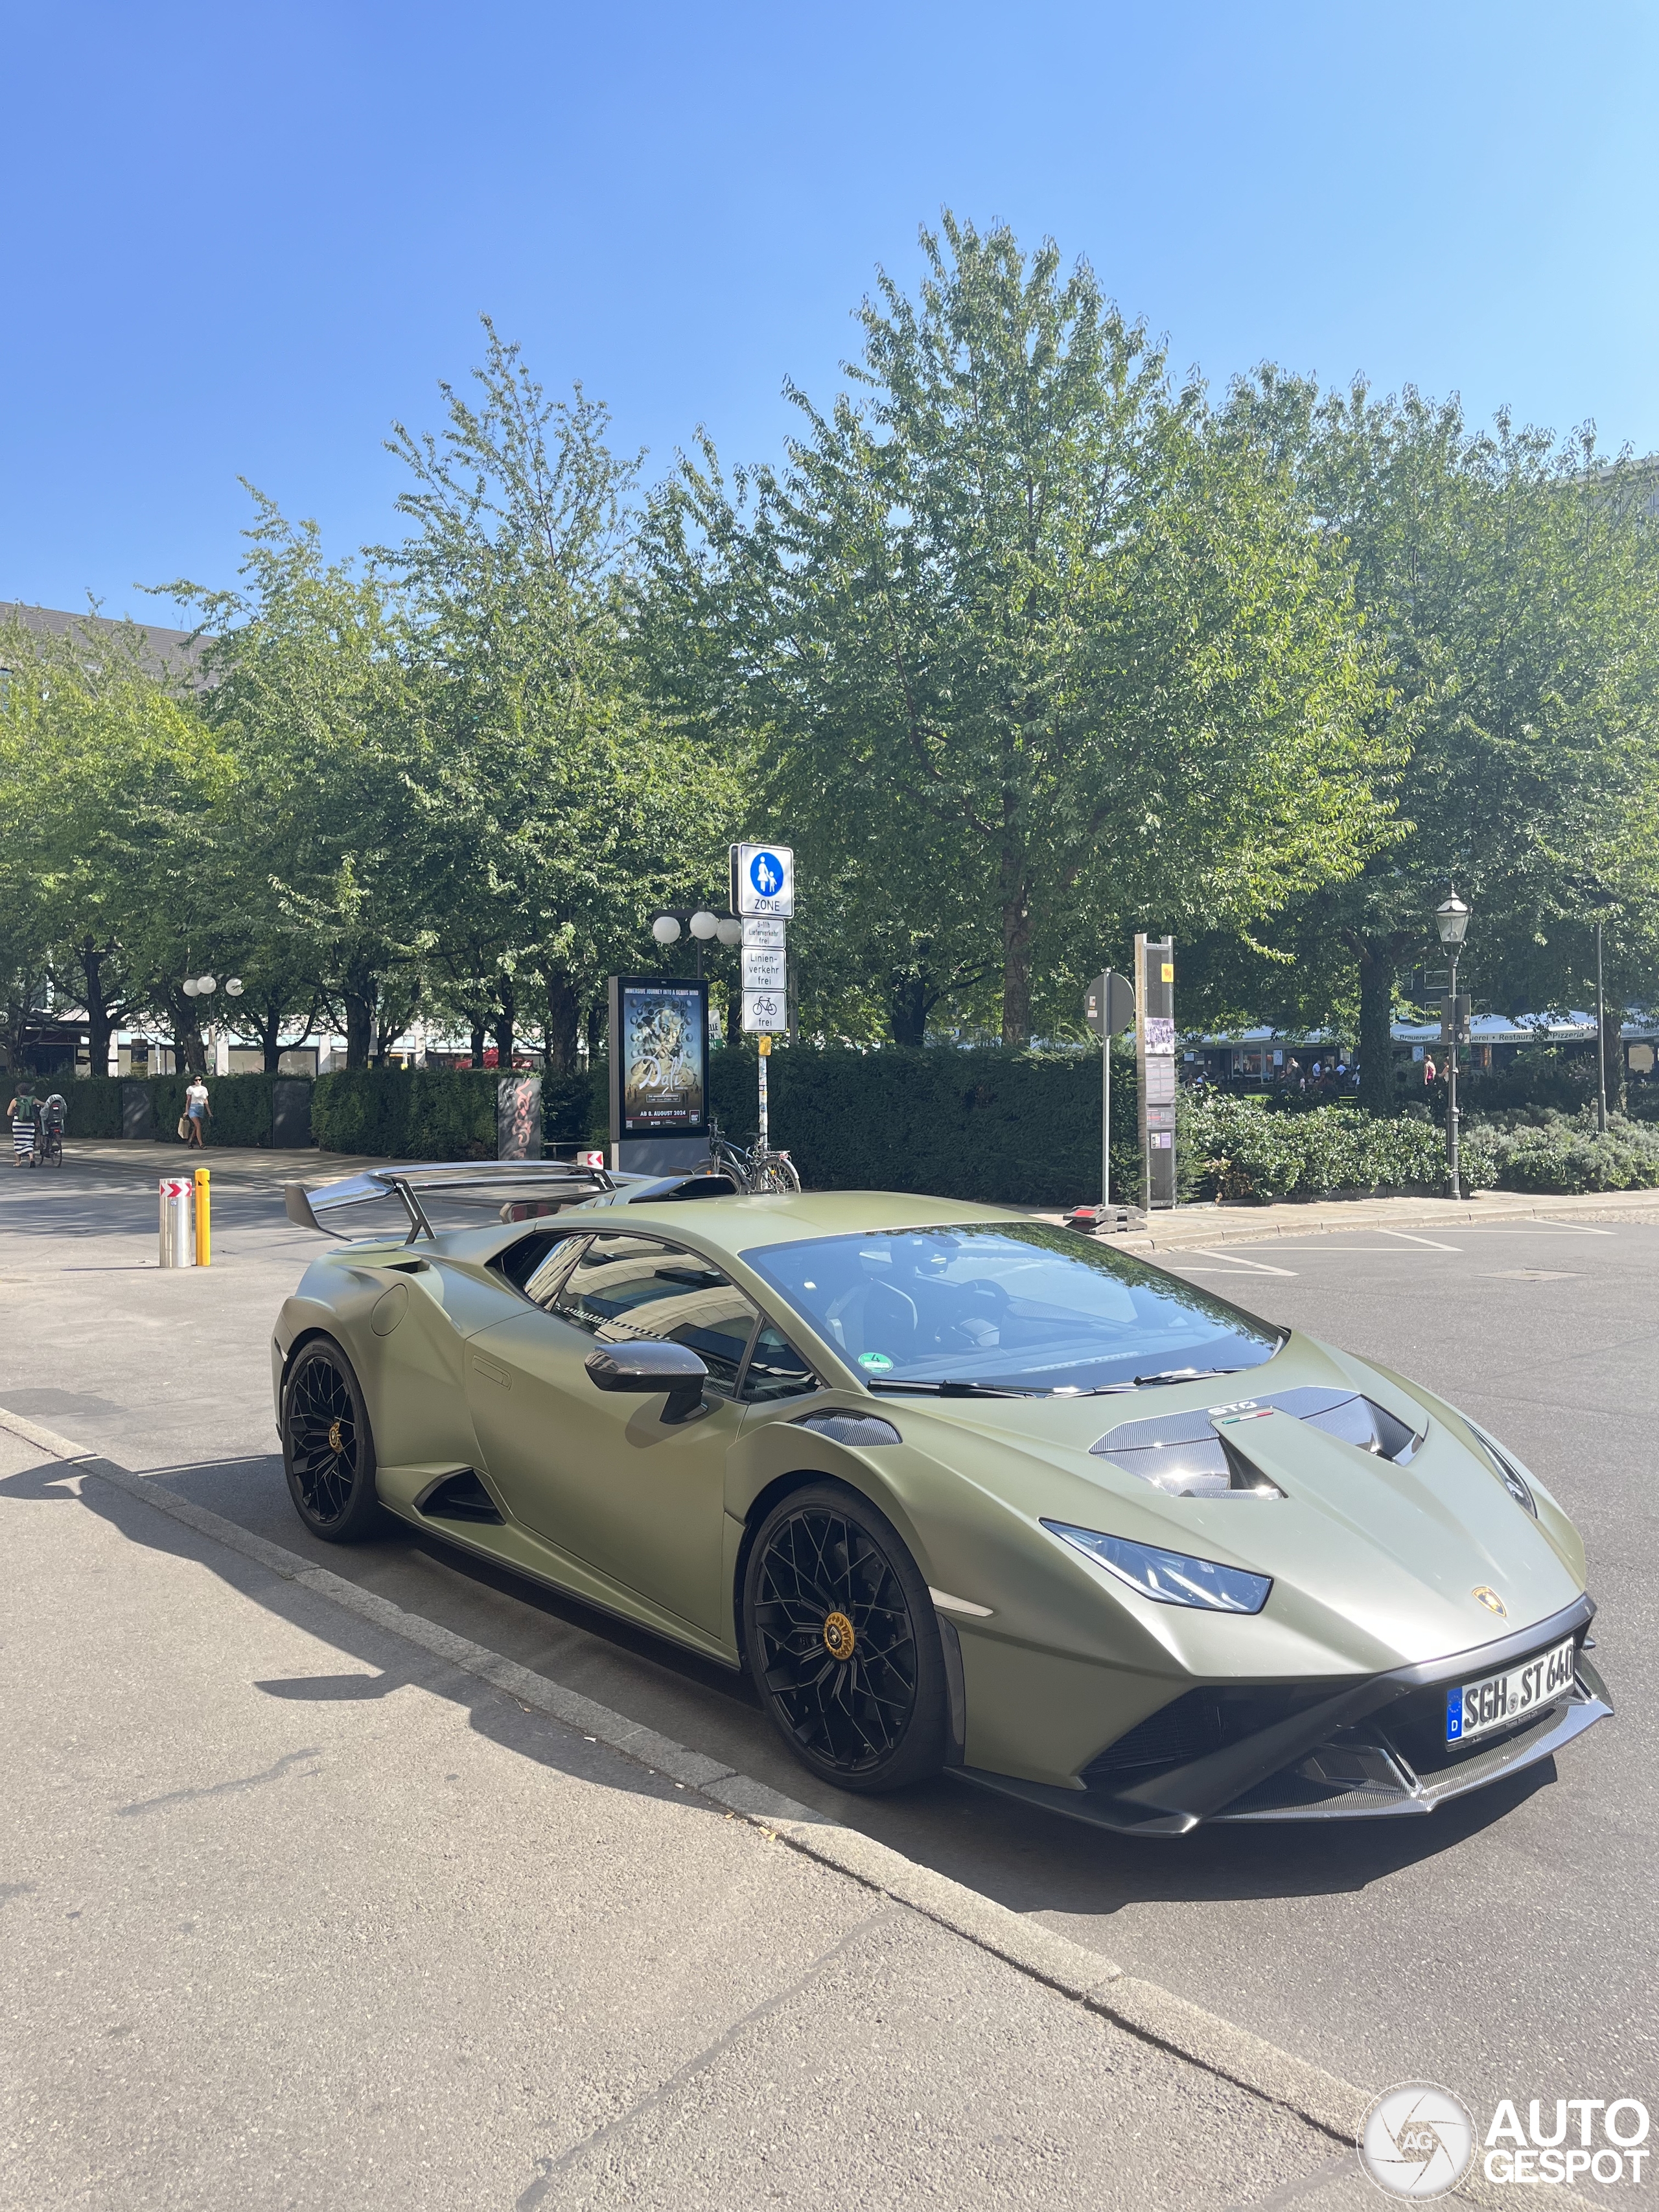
1028, 1860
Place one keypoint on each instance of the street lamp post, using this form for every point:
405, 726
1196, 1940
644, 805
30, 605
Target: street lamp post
1451, 918
703, 925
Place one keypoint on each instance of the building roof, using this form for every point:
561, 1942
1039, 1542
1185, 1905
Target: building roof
165, 652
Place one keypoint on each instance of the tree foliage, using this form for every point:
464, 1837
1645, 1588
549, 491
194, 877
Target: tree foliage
1032, 655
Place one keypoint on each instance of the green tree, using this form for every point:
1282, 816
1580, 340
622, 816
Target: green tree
309, 690
1514, 587
555, 810
110, 789
1029, 653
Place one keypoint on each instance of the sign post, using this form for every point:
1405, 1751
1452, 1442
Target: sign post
763, 899
1155, 1056
1108, 1007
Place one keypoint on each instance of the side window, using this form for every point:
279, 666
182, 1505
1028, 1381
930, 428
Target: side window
776, 1370
624, 1286
536, 1264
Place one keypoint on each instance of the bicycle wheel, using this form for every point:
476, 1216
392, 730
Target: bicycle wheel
774, 1172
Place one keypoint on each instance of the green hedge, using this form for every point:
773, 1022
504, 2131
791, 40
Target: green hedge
94, 1106
1018, 1128
241, 1107
407, 1113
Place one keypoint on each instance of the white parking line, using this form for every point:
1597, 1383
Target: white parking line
1254, 1266
1428, 1242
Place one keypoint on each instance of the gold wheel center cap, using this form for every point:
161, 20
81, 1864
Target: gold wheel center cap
336, 1441
838, 1636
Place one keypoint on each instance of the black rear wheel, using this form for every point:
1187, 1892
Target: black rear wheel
328, 1447
842, 1643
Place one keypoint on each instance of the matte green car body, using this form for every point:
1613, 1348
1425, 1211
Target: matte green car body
1376, 1566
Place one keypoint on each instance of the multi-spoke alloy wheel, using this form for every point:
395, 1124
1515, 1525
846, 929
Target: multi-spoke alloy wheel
328, 1450
842, 1641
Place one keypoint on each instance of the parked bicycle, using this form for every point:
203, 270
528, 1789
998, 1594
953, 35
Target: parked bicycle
759, 1169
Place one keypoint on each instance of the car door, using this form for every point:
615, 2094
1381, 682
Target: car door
601, 1474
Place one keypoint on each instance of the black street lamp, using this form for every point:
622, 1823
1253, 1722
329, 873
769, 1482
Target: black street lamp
1451, 918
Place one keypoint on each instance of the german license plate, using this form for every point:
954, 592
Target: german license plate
1479, 1707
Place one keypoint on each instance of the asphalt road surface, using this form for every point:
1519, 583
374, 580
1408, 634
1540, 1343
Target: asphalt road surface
1502, 1946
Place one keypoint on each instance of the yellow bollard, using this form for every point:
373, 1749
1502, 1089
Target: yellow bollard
203, 1221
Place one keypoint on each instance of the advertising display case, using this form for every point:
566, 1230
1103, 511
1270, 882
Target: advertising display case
658, 1060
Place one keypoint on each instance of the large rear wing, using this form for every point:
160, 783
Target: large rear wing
536, 1186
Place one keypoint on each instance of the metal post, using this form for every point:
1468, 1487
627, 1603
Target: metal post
1451, 1088
1601, 1041
1105, 1118
177, 1246
765, 1139
203, 1221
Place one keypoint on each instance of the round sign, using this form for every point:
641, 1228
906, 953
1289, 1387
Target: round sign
1418, 2140
766, 874
876, 1361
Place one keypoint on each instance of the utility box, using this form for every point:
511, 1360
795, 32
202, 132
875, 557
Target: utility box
1155, 1061
1455, 1015
290, 1112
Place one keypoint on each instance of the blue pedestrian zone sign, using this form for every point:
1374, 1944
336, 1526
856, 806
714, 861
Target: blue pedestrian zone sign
762, 880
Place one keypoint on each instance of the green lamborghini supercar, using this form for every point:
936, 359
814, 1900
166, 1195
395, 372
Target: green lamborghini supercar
961, 1490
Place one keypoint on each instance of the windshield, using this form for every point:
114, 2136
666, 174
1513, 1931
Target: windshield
1006, 1305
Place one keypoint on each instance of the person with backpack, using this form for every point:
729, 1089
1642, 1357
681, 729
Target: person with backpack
24, 1132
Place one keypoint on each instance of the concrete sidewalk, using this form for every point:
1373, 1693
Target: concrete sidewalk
1191, 1228
299, 1914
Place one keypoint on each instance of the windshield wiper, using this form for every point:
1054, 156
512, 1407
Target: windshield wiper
952, 1389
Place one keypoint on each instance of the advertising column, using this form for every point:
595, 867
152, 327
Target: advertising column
1155, 1058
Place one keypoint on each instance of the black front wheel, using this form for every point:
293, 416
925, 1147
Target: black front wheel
842, 1641
328, 1447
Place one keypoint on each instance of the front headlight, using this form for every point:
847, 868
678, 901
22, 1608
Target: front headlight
1514, 1481
1170, 1577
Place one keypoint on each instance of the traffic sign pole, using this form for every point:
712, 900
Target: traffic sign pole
1108, 1007
763, 896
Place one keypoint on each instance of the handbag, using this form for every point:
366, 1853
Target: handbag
184, 1127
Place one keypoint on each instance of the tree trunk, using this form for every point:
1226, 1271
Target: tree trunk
270, 1038
906, 1010
1016, 953
359, 1023
101, 1015
1376, 958
1612, 1049
506, 1013
561, 1015
477, 1041
598, 1013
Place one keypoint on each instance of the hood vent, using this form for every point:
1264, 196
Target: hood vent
1199, 1454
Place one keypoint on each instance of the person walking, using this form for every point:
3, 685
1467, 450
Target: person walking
22, 1111
197, 1111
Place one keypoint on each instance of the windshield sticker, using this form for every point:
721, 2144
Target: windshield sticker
877, 1362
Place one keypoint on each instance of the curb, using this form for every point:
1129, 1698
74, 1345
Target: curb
1336, 2107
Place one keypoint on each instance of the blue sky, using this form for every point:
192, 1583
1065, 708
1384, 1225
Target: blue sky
240, 239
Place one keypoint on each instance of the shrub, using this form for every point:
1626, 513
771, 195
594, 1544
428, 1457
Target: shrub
94, 1106
1244, 1151
241, 1107
1550, 1151
1017, 1129
407, 1113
